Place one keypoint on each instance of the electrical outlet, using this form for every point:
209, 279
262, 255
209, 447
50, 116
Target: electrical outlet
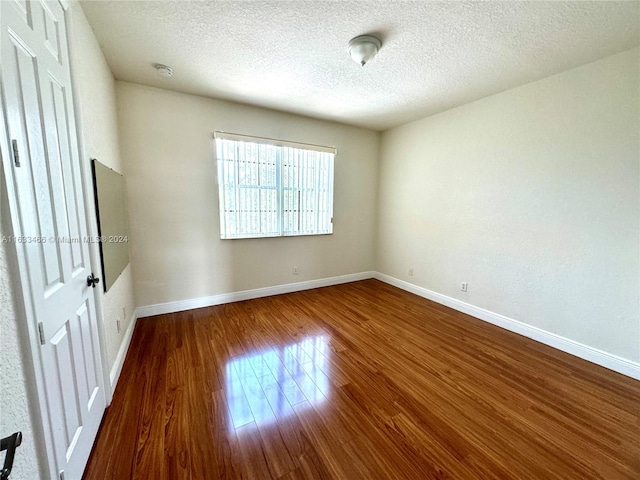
463, 286
118, 326
411, 272
295, 270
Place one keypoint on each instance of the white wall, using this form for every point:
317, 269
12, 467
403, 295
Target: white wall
167, 147
96, 98
532, 197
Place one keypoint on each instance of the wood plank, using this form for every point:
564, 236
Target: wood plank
360, 380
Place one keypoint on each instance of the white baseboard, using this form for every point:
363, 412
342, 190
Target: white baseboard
604, 359
122, 353
181, 305
591, 354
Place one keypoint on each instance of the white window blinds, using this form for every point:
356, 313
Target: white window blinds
272, 188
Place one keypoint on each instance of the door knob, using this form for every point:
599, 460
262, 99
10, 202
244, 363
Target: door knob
92, 281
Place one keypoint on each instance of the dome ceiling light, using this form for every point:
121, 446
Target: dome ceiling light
363, 48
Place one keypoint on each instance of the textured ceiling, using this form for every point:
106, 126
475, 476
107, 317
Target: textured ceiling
291, 55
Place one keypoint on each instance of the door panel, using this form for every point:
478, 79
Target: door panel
63, 384
38, 109
72, 196
51, 31
86, 340
24, 9
24, 87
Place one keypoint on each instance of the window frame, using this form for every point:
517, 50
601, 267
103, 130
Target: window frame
279, 188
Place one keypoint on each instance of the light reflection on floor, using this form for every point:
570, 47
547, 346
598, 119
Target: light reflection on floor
264, 387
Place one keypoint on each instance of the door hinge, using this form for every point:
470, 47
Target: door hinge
43, 341
16, 154
61, 475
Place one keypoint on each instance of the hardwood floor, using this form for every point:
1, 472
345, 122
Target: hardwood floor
361, 380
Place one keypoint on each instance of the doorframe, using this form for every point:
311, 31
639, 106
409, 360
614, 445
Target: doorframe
19, 277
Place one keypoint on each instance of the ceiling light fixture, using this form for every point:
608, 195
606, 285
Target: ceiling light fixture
363, 48
163, 70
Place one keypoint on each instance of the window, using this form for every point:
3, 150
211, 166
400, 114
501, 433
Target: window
271, 188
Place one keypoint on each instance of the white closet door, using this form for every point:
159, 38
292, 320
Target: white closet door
47, 186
